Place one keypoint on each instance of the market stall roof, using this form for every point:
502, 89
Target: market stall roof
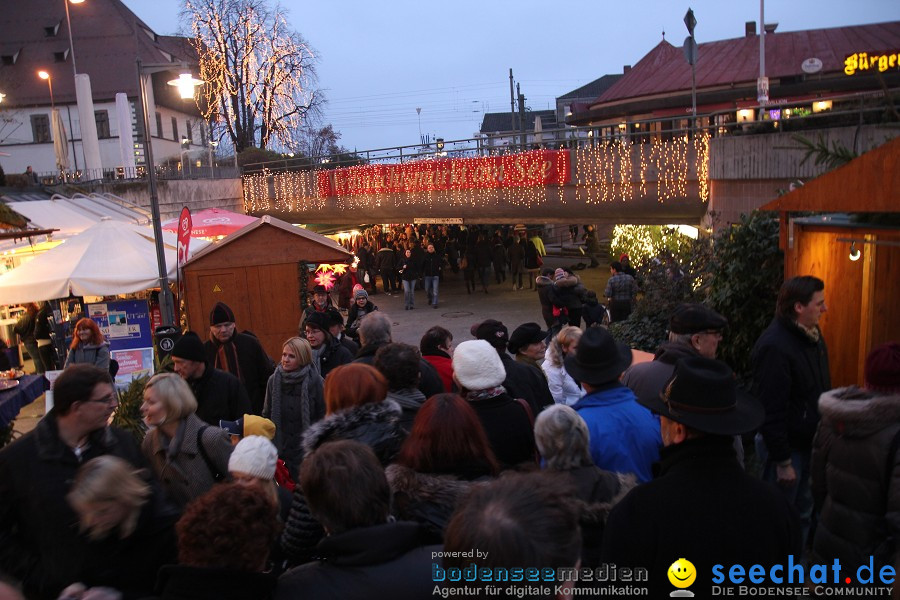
213, 222
108, 258
327, 250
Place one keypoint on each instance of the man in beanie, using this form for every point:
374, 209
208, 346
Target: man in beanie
220, 395
328, 352
790, 372
240, 354
855, 466
522, 381
508, 422
702, 506
624, 435
694, 330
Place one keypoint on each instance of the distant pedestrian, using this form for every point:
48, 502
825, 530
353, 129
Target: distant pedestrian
621, 291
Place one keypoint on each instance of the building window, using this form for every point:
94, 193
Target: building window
51, 31
159, 125
60, 56
10, 59
40, 128
102, 119
175, 129
190, 132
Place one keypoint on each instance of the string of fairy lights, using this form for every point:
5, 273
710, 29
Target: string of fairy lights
607, 171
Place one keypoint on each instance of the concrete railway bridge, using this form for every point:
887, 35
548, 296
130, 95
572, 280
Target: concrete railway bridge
698, 178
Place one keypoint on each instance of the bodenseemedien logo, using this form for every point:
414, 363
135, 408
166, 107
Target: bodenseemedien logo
682, 575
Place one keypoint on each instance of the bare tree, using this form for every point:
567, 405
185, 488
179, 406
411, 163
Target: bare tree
259, 73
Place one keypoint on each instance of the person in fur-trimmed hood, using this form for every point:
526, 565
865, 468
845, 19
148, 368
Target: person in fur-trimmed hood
856, 469
566, 295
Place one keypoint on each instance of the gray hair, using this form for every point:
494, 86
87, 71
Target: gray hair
375, 329
681, 338
562, 438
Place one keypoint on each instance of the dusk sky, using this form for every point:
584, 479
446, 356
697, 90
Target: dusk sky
379, 61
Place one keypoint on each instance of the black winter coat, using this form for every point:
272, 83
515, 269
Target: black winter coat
704, 507
39, 540
334, 355
255, 366
483, 254
543, 284
856, 478
526, 382
382, 561
220, 396
509, 430
790, 372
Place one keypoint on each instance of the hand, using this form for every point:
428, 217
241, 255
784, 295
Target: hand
785, 476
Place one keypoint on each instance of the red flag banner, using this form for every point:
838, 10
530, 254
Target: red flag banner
526, 169
184, 243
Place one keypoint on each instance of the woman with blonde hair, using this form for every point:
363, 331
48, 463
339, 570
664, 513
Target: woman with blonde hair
294, 400
187, 455
131, 529
563, 388
88, 346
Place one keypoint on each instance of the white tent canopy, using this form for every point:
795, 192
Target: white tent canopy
108, 258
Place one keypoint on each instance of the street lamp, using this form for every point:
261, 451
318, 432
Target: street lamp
46, 76
186, 84
212, 149
167, 303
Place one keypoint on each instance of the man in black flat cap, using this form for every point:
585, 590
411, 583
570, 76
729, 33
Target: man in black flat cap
702, 507
624, 435
240, 354
694, 330
528, 344
522, 380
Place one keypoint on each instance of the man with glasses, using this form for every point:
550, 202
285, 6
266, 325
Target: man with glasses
694, 330
39, 538
240, 354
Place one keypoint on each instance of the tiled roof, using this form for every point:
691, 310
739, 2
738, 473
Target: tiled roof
592, 89
664, 69
107, 36
501, 122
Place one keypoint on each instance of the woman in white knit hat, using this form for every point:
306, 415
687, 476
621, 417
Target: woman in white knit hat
508, 422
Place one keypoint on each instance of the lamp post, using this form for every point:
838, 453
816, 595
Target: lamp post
185, 146
212, 149
69, 24
167, 303
46, 76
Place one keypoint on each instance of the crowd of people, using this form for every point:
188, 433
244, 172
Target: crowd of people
360, 467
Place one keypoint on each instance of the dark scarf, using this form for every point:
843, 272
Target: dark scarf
281, 377
226, 356
485, 394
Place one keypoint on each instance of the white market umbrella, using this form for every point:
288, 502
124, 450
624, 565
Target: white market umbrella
60, 140
108, 258
538, 129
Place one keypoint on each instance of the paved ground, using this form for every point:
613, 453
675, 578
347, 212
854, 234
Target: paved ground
457, 311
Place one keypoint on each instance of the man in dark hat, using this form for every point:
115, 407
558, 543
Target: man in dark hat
336, 329
694, 330
327, 351
624, 435
522, 380
321, 302
240, 354
702, 509
220, 396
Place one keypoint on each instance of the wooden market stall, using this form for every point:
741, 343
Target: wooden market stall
860, 212
258, 271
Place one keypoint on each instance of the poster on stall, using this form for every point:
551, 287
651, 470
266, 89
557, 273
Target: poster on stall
126, 326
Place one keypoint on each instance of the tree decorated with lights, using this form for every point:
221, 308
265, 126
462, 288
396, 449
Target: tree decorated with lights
259, 73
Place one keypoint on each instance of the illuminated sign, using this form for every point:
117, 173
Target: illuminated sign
528, 169
863, 61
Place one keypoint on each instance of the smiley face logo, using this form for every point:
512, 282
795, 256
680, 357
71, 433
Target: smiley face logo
682, 573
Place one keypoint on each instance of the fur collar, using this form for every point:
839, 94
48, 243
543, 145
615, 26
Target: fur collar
444, 490
857, 412
346, 423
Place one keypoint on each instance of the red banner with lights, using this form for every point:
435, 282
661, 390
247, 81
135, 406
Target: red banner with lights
527, 169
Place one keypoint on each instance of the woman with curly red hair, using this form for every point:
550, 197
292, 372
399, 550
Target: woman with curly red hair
88, 346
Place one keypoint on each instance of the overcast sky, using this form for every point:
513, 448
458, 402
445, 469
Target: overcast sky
379, 61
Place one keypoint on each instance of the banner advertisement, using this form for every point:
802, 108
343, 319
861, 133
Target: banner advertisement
126, 326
